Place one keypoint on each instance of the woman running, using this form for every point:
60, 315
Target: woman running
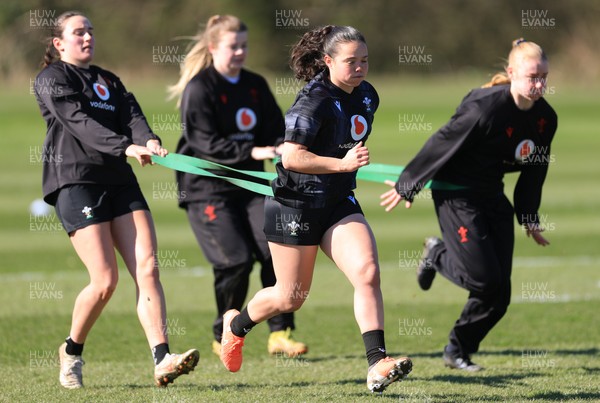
505, 126
230, 117
93, 124
314, 203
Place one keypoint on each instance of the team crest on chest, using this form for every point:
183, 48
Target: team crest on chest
367, 102
359, 127
245, 118
101, 91
524, 149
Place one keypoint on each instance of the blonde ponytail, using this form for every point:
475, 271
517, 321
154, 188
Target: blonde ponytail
198, 57
521, 49
497, 79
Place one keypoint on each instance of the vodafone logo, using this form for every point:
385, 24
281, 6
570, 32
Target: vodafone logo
359, 127
245, 118
524, 149
101, 91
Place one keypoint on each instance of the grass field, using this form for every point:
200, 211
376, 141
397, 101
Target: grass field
547, 348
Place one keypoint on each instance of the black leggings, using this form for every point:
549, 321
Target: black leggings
476, 254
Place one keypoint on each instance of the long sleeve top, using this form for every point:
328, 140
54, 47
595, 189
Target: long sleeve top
487, 137
91, 119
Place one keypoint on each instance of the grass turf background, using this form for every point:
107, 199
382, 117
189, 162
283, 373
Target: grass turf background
545, 349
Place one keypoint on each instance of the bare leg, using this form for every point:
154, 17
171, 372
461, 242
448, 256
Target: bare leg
135, 239
94, 246
294, 266
351, 245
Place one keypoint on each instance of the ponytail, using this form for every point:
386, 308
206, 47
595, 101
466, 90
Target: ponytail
198, 57
497, 79
521, 49
51, 54
306, 60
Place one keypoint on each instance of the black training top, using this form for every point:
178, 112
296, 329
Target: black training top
487, 137
222, 122
329, 122
91, 119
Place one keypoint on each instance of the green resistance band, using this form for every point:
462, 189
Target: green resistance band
372, 172
197, 166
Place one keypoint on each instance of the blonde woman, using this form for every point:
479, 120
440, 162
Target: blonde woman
505, 126
230, 117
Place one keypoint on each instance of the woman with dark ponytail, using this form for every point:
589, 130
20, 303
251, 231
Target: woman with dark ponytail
505, 126
314, 204
56, 31
230, 117
93, 124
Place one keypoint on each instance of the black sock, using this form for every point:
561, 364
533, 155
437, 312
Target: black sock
73, 348
242, 324
159, 352
375, 346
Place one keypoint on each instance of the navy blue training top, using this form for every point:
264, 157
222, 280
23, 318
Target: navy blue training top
329, 122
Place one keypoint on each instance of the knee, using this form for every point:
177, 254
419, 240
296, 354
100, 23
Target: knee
147, 266
368, 275
490, 289
105, 287
290, 305
487, 284
499, 307
502, 308
108, 291
232, 277
503, 301
498, 301
291, 300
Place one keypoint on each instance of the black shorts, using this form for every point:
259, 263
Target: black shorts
78, 206
292, 226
